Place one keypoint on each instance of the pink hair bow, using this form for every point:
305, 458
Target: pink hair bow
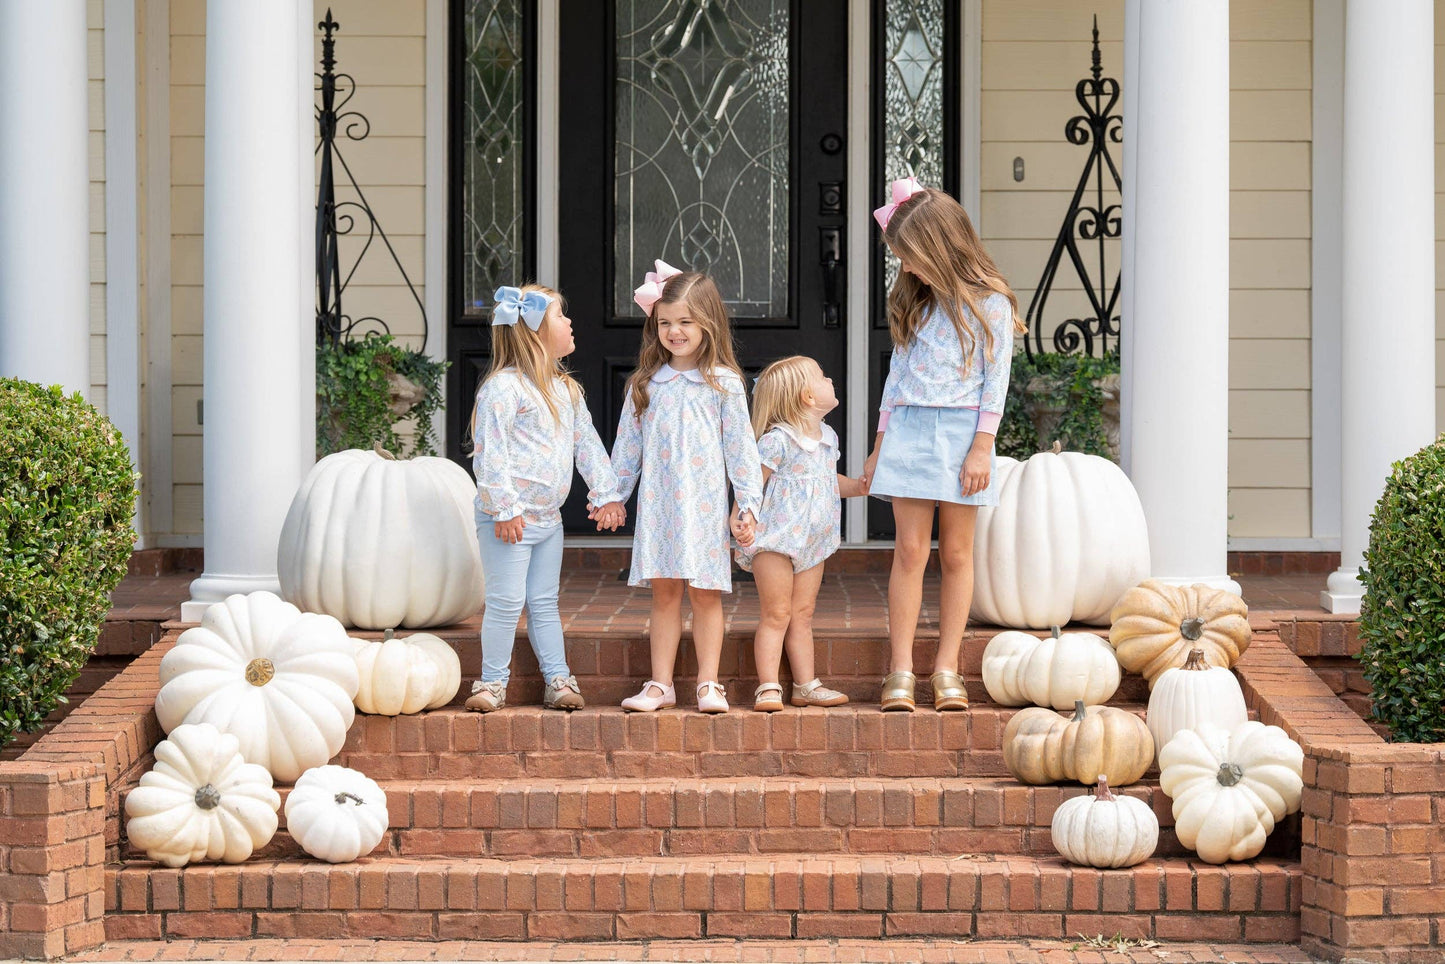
649, 291
902, 189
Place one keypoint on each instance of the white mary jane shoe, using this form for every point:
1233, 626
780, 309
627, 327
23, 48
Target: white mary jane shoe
711, 698
645, 702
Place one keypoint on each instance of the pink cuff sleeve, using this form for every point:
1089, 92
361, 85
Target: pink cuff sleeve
883, 420
988, 422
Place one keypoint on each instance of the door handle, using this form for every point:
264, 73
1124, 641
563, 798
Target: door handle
830, 256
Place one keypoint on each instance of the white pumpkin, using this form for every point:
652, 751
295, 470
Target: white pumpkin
1066, 539
282, 681
336, 814
1194, 693
1059, 670
1230, 787
406, 675
1100, 829
379, 542
201, 801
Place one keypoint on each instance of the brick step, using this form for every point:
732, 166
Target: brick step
697, 897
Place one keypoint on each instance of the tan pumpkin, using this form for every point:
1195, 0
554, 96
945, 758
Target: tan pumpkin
1155, 625
1041, 746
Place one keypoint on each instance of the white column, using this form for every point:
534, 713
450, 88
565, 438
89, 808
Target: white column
1177, 351
44, 194
253, 356
1388, 277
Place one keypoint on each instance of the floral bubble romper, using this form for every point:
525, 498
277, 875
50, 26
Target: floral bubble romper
801, 506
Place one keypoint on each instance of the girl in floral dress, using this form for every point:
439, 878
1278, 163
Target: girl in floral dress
799, 525
683, 434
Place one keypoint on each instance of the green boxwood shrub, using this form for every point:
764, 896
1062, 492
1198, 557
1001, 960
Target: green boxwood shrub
67, 493
1402, 617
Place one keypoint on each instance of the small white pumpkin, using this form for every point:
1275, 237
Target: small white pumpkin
380, 542
201, 801
1066, 539
282, 681
1230, 787
1194, 693
1057, 671
406, 675
1100, 829
336, 814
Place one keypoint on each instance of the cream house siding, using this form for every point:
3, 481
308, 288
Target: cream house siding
1034, 52
95, 87
187, 136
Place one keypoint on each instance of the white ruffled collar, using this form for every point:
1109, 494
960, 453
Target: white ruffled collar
667, 373
828, 437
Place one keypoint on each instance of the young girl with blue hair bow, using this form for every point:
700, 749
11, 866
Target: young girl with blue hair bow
529, 427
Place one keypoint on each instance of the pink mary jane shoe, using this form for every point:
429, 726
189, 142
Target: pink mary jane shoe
654, 696
711, 698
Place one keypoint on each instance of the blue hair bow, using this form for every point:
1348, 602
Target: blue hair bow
513, 305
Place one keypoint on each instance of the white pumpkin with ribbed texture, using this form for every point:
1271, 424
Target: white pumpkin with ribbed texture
1230, 787
1066, 539
380, 542
1021, 669
1101, 829
282, 681
201, 801
1194, 693
336, 814
406, 674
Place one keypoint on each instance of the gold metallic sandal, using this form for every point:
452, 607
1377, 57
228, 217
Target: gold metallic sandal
898, 691
948, 691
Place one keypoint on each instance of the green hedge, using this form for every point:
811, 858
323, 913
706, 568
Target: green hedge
1402, 618
67, 493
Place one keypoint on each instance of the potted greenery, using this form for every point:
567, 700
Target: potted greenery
1071, 399
368, 387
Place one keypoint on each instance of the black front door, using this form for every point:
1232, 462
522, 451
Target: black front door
710, 135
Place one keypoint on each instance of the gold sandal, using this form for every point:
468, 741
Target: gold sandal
898, 691
948, 691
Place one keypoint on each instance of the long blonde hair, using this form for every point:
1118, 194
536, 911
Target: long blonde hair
520, 348
931, 231
705, 307
778, 394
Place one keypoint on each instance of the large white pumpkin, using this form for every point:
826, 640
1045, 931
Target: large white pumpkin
336, 814
1194, 693
1100, 829
201, 801
282, 681
1021, 669
1066, 539
1230, 787
407, 675
379, 542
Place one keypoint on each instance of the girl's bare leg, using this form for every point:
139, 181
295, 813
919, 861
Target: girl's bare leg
707, 630
665, 628
773, 573
913, 529
800, 629
955, 556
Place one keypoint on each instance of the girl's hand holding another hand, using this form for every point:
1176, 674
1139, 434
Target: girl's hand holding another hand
743, 528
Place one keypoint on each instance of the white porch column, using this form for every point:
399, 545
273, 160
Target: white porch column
254, 409
1176, 353
1388, 278
44, 194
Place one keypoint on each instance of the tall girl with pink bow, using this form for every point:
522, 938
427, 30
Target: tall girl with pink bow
952, 318
683, 435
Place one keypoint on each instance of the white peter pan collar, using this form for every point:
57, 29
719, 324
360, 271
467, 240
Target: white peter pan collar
828, 438
667, 373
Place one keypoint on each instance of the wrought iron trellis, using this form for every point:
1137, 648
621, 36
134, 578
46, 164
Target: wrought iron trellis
1094, 224
335, 219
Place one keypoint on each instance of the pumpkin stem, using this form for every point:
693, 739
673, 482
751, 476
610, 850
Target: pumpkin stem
1101, 792
344, 796
1057, 447
260, 671
1079, 712
1054, 631
376, 447
208, 797
1195, 660
1230, 774
1192, 628
387, 634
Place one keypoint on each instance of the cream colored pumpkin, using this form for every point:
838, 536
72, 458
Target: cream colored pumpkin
1194, 693
379, 542
1155, 625
1019, 668
1041, 746
1230, 787
406, 675
1066, 539
1101, 829
336, 814
282, 681
201, 801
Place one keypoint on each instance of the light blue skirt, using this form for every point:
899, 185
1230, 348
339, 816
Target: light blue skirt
922, 456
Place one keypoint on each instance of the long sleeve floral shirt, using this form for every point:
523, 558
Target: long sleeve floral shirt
680, 455
931, 371
523, 460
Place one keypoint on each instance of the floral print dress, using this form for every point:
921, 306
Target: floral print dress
801, 505
680, 455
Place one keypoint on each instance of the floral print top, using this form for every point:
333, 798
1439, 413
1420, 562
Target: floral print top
801, 507
523, 461
930, 371
680, 455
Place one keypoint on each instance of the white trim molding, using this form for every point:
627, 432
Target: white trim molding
549, 177
970, 121
1327, 99
1282, 544
157, 474
860, 101
434, 281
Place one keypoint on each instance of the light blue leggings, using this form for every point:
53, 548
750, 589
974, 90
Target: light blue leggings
524, 574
